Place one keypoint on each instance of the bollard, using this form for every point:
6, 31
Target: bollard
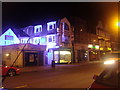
53, 63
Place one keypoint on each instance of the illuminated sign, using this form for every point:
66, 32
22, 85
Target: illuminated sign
101, 48
90, 46
109, 48
96, 46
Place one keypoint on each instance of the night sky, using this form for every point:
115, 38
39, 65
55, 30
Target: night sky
22, 14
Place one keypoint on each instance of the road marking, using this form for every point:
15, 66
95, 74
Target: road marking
21, 86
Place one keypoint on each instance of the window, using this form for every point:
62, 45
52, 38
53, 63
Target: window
5, 42
36, 41
24, 41
43, 40
38, 29
50, 38
66, 27
54, 25
53, 38
39, 41
51, 25
8, 37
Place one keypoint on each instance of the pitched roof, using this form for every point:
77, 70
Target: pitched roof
20, 33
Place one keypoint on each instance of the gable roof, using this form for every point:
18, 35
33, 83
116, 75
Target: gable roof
20, 33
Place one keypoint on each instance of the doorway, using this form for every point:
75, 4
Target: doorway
31, 59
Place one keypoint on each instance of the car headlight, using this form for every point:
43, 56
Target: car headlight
109, 62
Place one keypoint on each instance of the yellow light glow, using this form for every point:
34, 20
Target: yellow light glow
64, 52
115, 23
7, 54
101, 48
109, 49
96, 46
109, 62
104, 53
90, 46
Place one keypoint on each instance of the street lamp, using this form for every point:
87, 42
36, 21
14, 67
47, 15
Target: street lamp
96, 46
90, 46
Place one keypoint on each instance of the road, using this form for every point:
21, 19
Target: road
76, 76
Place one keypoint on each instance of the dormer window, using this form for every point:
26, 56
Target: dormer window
51, 25
37, 28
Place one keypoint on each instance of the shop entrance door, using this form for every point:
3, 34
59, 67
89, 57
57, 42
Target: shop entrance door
31, 59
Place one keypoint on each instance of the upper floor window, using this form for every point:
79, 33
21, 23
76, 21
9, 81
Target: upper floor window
66, 27
8, 37
51, 25
38, 29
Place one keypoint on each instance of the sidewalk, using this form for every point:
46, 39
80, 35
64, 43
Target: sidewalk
57, 66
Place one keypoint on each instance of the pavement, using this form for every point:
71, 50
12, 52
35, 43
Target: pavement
57, 66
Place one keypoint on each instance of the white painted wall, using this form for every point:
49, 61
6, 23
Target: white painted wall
9, 42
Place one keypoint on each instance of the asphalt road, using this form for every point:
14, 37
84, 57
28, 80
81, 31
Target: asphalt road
76, 76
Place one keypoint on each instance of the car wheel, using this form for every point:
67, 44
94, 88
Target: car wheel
11, 72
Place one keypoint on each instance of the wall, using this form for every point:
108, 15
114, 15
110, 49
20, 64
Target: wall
67, 33
13, 40
13, 53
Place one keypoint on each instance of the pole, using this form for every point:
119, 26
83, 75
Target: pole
3, 79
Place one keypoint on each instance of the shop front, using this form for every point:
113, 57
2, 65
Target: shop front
33, 57
60, 55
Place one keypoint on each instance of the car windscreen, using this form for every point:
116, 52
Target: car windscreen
110, 77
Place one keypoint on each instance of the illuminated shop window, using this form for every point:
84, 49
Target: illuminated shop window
51, 25
38, 29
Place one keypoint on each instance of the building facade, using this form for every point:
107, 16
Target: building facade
55, 35
61, 40
104, 39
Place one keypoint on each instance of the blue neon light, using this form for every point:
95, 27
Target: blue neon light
9, 38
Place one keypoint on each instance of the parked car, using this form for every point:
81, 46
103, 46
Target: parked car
9, 71
109, 78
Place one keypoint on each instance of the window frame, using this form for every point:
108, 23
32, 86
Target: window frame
53, 24
37, 28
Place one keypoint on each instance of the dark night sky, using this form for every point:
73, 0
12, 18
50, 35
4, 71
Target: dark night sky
22, 14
